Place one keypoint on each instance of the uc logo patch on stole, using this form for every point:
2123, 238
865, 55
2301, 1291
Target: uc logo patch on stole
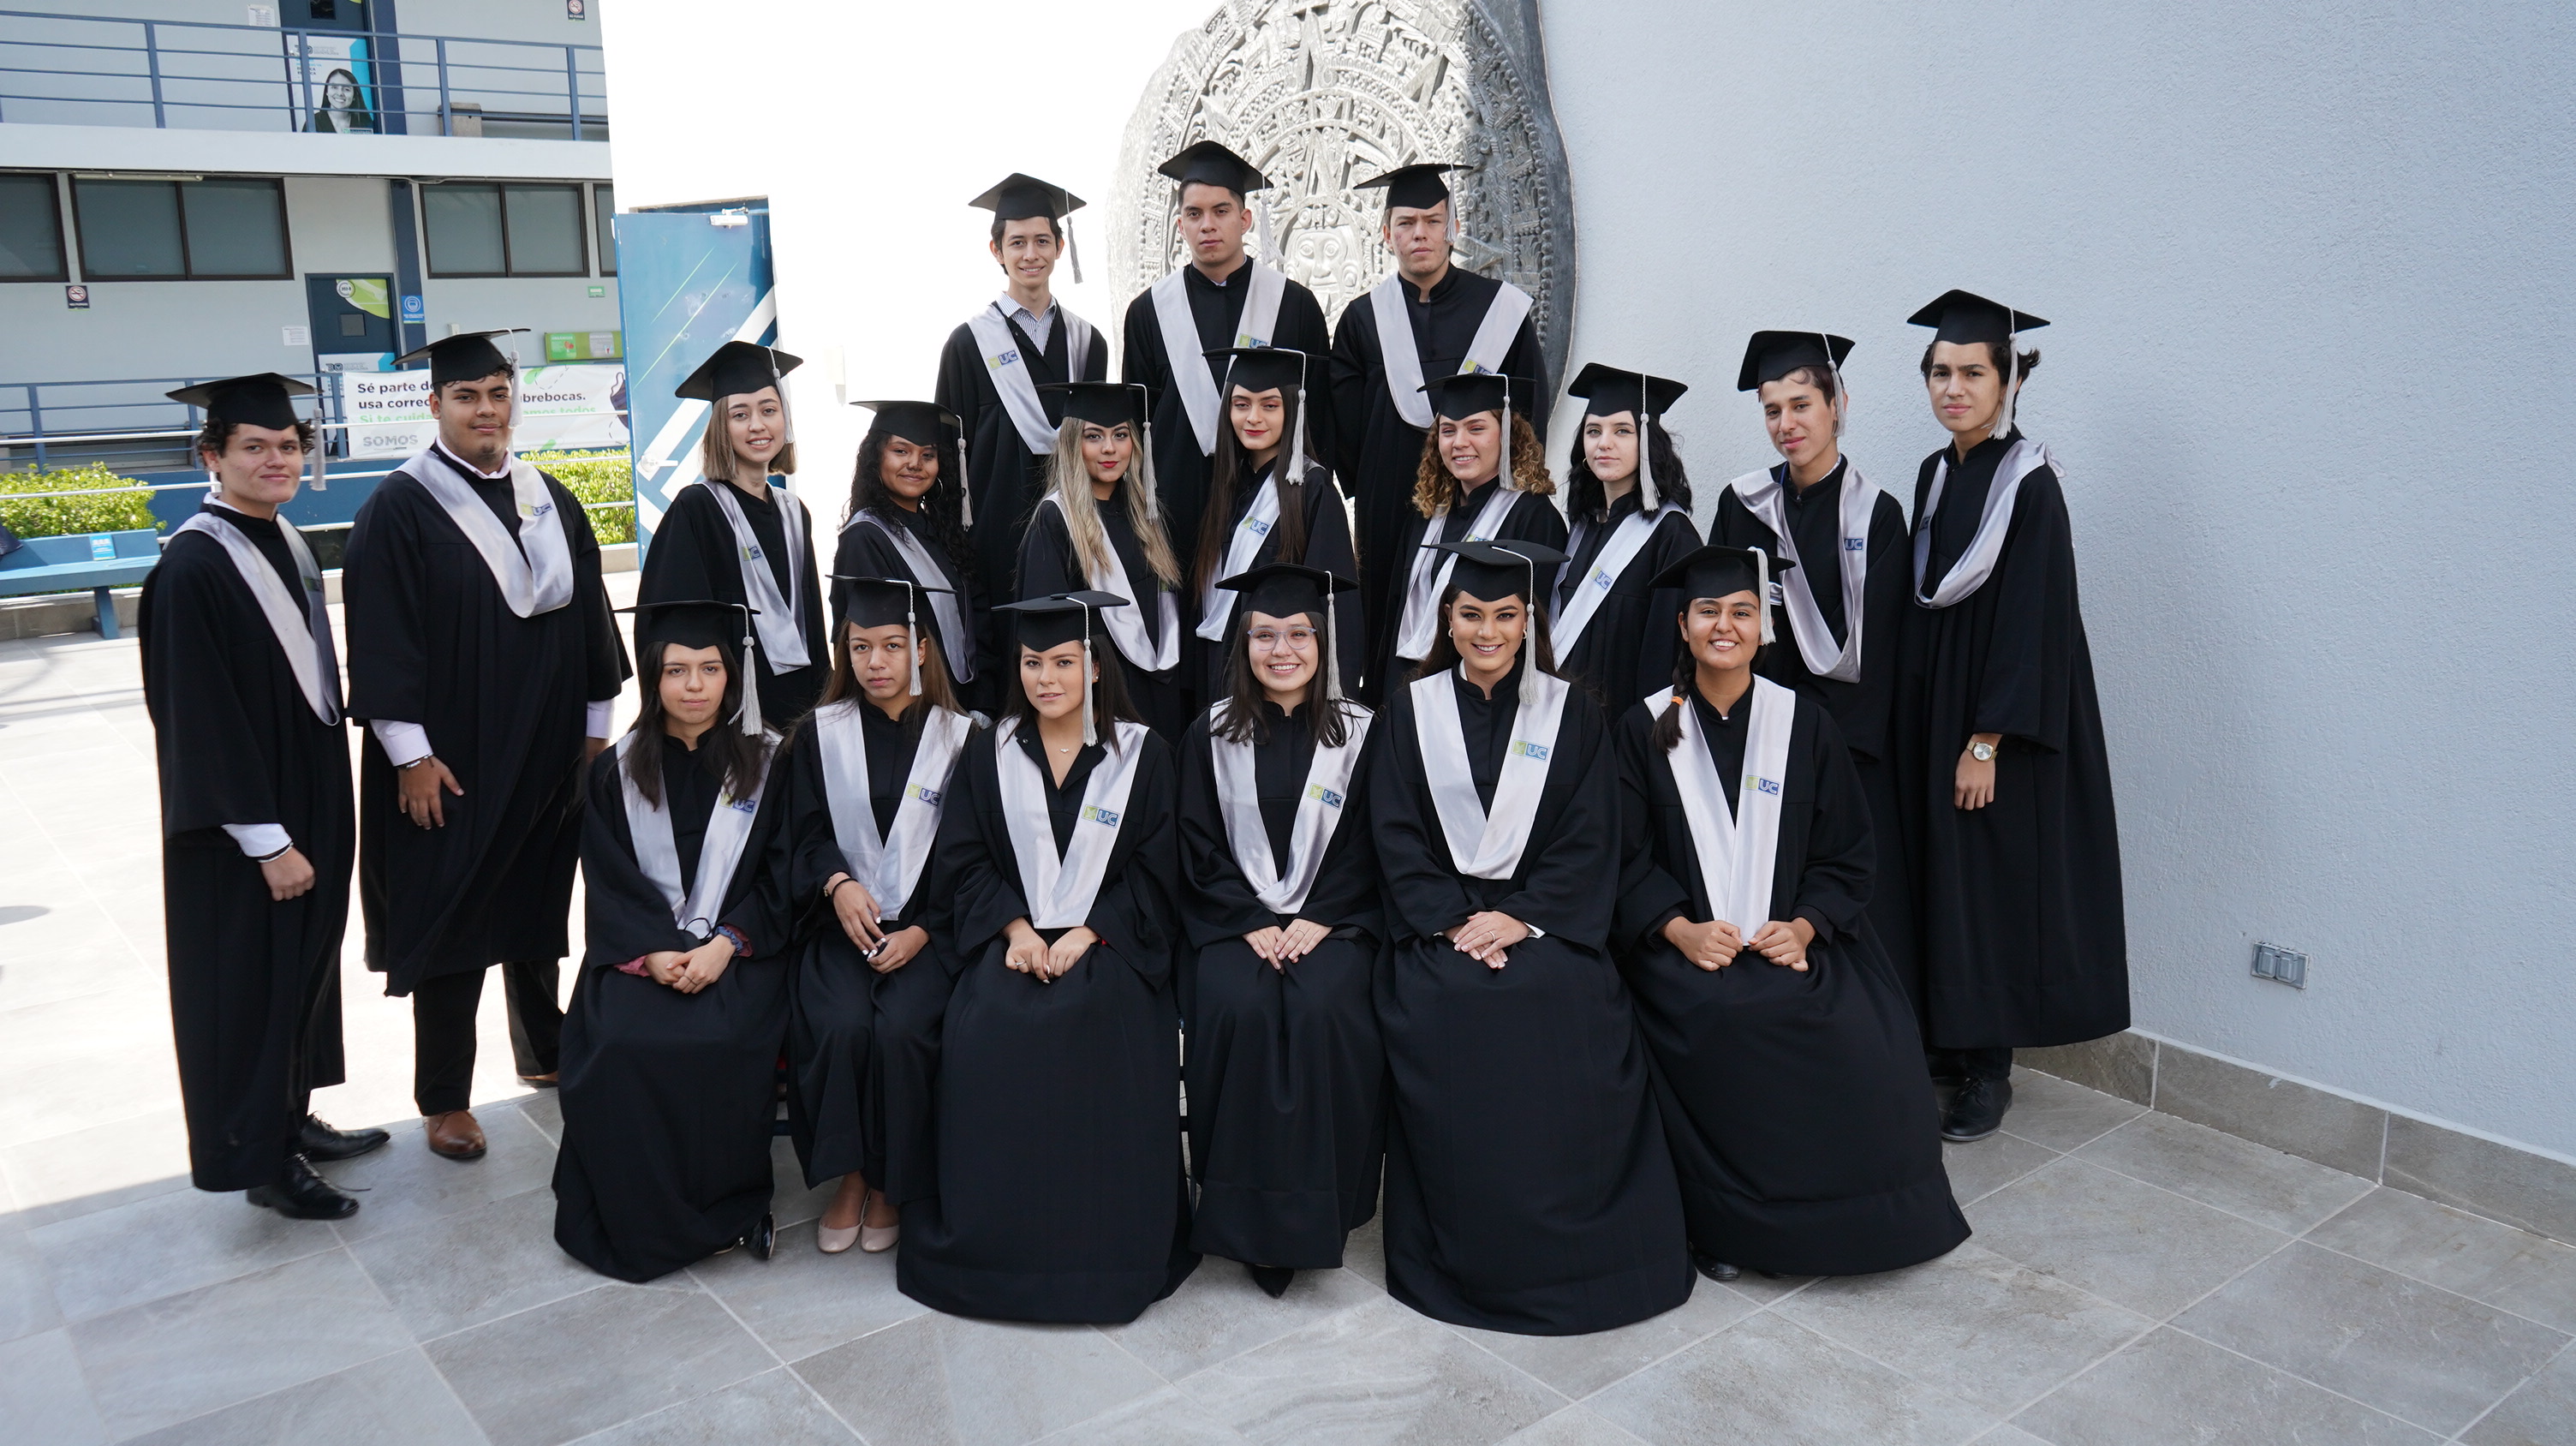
1319, 791
1009, 358
923, 792
1535, 752
1761, 785
742, 805
1855, 544
1094, 813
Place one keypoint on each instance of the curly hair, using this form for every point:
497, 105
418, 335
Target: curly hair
1435, 491
943, 506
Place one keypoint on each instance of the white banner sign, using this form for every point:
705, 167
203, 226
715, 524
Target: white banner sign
563, 408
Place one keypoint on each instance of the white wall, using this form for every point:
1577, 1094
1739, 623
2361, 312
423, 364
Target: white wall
2309, 276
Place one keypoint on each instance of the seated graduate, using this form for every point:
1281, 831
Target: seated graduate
1463, 493
1630, 503
737, 537
1285, 1075
670, 1048
1100, 528
1790, 1071
1260, 510
1527, 1184
910, 518
860, 788
1060, 1194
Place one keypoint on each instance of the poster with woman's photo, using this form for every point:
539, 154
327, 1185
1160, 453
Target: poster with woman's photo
330, 73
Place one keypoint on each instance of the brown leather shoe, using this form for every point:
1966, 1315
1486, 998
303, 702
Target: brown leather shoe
454, 1135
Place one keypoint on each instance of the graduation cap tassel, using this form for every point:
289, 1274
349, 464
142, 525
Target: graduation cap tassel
1072, 252
1834, 377
1090, 733
912, 628
1762, 588
2012, 370
1645, 462
965, 488
1332, 643
750, 714
1297, 443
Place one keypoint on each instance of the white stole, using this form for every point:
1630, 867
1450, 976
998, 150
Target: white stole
536, 581
781, 618
1429, 575
1012, 379
1060, 890
1986, 548
1739, 849
1403, 361
694, 909
1319, 811
1187, 355
1126, 625
1625, 543
303, 630
1217, 608
957, 649
889, 866
1483, 844
1761, 494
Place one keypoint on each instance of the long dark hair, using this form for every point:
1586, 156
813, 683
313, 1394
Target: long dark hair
936, 688
1231, 472
1108, 693
1585, 497
1243, 722
1535, 644
943, 507
743, 758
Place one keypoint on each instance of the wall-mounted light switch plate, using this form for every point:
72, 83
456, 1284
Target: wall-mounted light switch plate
2285, 966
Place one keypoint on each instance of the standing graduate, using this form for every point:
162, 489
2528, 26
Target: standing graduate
1630, 503
1790, 1072
1222, 299
1840, 619
990, 373
1285, 1073
862, 783
2002, 778
482, 655
738, 537
1060, 1194
1430, 318
1098, 529
1267, 502
257, 834
1463, 493
908, 520
671, 1046
1527, 1184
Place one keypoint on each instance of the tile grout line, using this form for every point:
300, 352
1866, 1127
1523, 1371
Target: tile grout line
417, 1344
783, 1364
2436, 1285
2434, 1431
2492, 1406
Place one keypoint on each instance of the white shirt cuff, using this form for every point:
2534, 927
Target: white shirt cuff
601, 717
403, 742
259, 840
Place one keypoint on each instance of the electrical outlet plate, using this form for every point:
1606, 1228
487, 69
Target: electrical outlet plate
2282, 966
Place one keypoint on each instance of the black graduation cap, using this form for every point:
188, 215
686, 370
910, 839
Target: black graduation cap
736, 369
1718, 571
1464, 394
1418, 186
1208, 163
924, 424
1057, 619
1607, 391
1285, 589
468, 356
1771, 355
1264, 368
262, 400
876, 602
1017, 197
691, 623
1492, 571
1103, 404
1961, 316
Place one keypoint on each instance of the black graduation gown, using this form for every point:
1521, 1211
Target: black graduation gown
668, 1098
1049, 565
2021, 927
692, 556
1860, 709
1527, 1184
1532, 518
1381, 452
1328, 546
1060, 1194
254, 984
863, 551
862, 1047
504, 700
1796, 1105
1627, 650
1285, 1073
1180, 468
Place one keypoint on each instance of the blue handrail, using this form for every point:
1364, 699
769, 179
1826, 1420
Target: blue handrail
124, 422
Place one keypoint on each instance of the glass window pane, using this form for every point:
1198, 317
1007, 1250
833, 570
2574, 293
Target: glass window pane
464, 226
235, 228
31, 235
128, 228
545, 230
603, 205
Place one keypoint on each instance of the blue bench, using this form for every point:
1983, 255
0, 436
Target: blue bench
98, 561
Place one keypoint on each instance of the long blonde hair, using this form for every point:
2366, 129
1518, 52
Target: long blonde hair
1435, 491
1069, 482
718, 461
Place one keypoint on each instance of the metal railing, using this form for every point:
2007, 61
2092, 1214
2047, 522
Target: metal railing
82, 69
127, 424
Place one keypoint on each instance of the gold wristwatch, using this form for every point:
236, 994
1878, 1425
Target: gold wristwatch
1982, 752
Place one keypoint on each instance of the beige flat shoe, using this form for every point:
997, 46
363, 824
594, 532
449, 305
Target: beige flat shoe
833, 1239
876, 1239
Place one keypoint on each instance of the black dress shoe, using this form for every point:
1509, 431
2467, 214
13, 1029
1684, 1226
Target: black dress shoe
1273, 1279
1712, 1267
299, 1194
762, 1238
318, 1141
1978, 1111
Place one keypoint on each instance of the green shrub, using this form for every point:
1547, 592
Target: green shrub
29, 513
596, 477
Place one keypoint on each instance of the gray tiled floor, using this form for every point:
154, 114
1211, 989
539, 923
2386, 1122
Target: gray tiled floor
2134, 1278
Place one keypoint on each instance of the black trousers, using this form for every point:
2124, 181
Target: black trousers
442, 1021
1986, 1064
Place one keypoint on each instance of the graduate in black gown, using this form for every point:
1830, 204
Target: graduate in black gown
990, 372
671, 1044
1630, 506
1268, 501
482, 655
737, 536
908, 519
1528, 1188
1840, 619
861, 784
1462, 492
1428, 318
1788, 1067
2003, 781
1285, 1075
1098, 529
1223, 298
257, 830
